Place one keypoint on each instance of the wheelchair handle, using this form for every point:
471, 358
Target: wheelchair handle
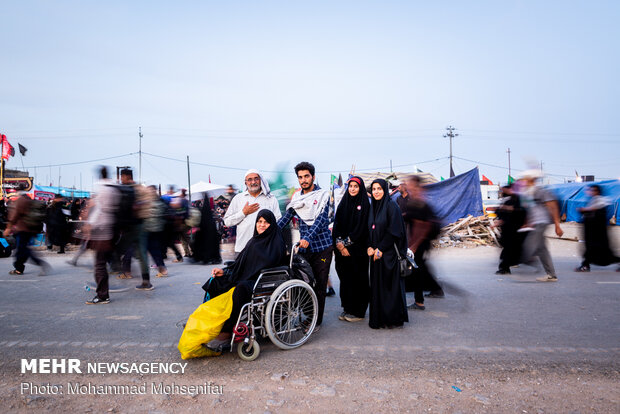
294, 250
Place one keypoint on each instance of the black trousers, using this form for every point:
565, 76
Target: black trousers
241, 295
320, 263
424, 279
101, 273
354, 285
512, 243
23, 252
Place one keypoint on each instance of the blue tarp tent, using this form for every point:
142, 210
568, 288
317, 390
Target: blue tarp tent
610, 189
63, 191
456, 197
572, 196
565, 192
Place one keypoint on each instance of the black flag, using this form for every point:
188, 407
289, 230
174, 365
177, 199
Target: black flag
22, 149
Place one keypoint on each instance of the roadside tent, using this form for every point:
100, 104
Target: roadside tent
609, 188
44, 192
565, 192
201, 187
456, 197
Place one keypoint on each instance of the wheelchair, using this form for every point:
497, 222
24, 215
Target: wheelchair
282, 308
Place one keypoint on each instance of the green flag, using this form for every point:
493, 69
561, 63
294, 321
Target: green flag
510, 180
441, 178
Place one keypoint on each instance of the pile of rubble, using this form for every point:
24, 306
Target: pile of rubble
468, 232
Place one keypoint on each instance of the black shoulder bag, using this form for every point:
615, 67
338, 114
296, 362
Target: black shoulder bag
405, 266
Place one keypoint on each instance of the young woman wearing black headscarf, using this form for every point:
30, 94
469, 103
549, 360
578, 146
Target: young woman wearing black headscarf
388, 304
266, 249
350, 235
206, 247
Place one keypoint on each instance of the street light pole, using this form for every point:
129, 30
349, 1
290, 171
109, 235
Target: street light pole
509, 171
451, 135
140, 155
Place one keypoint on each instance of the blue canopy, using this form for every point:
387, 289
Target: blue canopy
564, 192
609, 188
63, 191
454, 198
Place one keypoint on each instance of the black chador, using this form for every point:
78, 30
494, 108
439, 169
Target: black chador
388, 304
206, 247
263, 251
351, 228
512, 216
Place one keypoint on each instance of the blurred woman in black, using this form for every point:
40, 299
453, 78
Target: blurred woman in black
206, 246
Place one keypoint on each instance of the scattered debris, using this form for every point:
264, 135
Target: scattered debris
469, 232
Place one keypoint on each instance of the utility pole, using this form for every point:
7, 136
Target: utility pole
391, 166
509, 172
140, 155
189, 182
451, 135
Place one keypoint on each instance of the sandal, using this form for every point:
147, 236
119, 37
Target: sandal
582, 269
124, 275
15, 272
160, 274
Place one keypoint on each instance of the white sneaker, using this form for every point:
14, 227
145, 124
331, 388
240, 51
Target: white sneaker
547, 278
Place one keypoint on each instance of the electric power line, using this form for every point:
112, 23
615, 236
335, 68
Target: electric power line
279, 171
81, 162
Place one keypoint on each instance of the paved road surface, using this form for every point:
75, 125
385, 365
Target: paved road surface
506, 343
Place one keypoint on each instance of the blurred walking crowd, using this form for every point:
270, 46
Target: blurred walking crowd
122, 221
379, 237
528, 208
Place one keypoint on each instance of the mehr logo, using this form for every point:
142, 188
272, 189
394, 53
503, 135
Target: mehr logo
51, 366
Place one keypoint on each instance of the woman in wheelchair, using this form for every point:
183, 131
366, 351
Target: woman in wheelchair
265, 250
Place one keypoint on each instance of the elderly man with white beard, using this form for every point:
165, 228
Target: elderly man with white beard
245, 206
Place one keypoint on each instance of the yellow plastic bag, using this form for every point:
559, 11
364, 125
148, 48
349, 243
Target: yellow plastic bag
204, 325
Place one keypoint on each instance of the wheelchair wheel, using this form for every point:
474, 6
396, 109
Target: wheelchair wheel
291, 314
248, 352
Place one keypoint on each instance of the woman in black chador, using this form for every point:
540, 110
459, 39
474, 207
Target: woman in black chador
266, 249
350, 235
388, 305
206, 246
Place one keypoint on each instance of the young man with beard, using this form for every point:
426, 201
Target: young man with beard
311, 207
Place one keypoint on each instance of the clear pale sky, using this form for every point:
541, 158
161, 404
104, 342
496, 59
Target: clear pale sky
247, 84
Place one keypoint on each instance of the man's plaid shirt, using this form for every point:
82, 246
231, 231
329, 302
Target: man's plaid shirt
318, 235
